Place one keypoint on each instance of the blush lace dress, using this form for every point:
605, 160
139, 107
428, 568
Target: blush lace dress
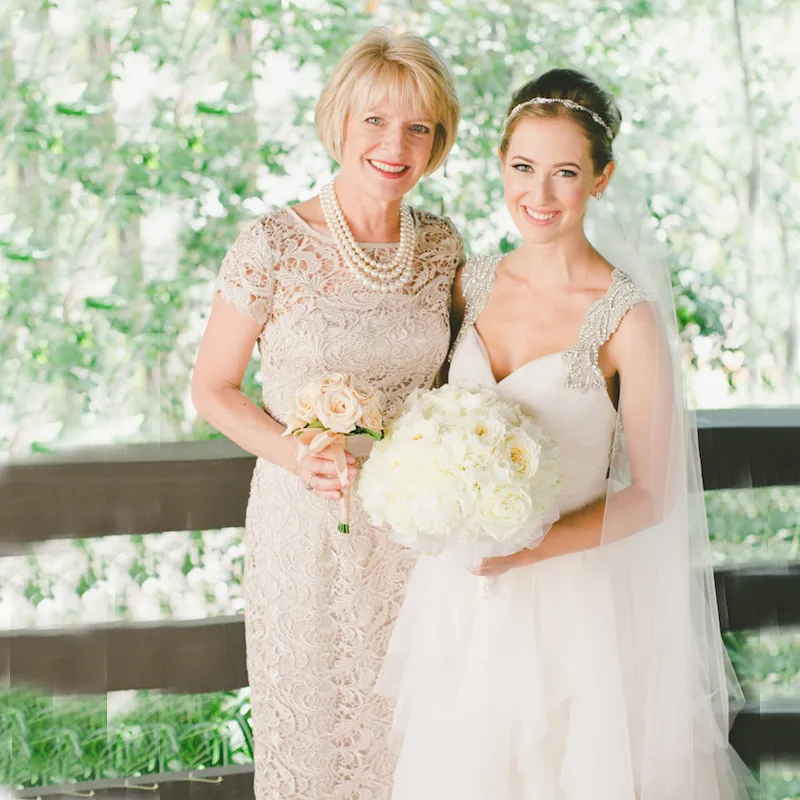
319, 605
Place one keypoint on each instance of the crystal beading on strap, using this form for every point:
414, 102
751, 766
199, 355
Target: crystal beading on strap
601, 321
570, 104
477, 283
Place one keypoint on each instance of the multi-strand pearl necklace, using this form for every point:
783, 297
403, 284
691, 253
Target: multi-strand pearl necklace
389, 277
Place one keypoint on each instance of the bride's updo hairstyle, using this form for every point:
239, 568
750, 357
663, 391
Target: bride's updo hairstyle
568, 93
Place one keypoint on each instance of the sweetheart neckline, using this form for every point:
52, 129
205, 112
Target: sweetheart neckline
513, 372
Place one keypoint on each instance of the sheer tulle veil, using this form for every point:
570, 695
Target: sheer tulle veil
679, 682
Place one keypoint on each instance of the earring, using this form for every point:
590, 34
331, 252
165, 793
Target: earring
598, 195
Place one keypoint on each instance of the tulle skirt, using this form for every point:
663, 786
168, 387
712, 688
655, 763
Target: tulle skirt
535, 693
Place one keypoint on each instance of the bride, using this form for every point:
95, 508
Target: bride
595, 670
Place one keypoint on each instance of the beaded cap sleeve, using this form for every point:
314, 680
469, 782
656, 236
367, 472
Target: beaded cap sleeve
602, 320
477, 282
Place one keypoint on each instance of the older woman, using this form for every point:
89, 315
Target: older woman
351, 281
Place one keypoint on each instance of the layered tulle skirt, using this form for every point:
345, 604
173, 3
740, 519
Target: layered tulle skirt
541, 692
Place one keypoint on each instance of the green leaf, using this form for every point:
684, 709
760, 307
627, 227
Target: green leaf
84, 110
100, 305
38, 447
376, 435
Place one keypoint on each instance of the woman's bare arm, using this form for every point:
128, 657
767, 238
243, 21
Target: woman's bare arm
639, 355
223, 357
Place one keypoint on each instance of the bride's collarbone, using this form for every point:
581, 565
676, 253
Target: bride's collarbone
509, 348
515, 336
513, 340
518, 325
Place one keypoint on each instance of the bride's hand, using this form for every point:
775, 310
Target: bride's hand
491, 567
318, 474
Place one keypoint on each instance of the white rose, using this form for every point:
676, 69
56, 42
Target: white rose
293, 424
338, 408
421, 431
523, 453
503, 510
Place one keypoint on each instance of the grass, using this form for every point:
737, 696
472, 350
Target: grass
48, 740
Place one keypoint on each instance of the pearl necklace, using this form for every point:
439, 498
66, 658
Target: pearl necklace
389, 277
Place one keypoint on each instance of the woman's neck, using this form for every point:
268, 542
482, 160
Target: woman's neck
566, 261
370, 219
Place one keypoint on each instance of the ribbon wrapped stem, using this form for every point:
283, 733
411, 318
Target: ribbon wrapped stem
313, 442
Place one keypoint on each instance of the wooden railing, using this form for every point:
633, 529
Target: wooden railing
204, 485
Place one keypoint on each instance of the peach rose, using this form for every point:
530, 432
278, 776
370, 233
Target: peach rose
371, 417
338, 408
363, 391
305, 404
333, 379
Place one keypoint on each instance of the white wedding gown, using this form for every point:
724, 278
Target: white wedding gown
522, 695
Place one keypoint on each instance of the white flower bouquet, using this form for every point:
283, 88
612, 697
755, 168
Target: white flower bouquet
324, 413
463, 471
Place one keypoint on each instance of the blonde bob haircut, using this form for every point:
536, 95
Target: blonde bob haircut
403, 69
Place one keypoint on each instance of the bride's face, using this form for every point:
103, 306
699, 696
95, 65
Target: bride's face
549, 177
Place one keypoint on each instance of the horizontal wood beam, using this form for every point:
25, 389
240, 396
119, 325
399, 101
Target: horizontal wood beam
204, 485
192, 656
209, 655
748, 448
136, 489
758, 596
768, 732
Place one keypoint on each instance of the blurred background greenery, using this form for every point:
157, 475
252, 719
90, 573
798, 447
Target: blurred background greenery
137, 136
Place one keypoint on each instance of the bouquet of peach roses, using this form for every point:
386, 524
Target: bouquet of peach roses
324, 413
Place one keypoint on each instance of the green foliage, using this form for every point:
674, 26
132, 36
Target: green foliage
754, 524
100, 324
134, 144
65, 740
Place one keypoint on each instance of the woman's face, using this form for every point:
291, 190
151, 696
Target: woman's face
548, 178
386, 149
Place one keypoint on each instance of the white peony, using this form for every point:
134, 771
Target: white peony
504, 509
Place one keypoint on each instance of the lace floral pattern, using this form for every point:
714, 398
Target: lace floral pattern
319, 605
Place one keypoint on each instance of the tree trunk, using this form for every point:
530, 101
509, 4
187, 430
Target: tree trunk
791, 284
751, 208
241, 49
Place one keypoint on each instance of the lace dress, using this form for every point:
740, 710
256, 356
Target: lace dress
319, 605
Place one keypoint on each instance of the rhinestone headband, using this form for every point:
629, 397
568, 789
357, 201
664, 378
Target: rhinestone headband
540, 101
